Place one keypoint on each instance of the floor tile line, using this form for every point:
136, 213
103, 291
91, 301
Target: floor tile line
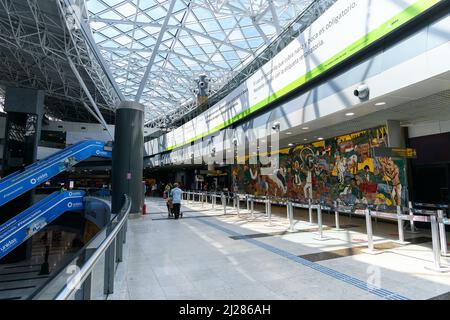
322, 269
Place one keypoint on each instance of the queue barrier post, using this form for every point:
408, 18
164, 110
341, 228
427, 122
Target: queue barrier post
437, 266
336, 217
411, 221
224, 204
310, 211
320, 236
252, 206
238, 205
291, 216
442, 235
269, 211
401, 235
369, 230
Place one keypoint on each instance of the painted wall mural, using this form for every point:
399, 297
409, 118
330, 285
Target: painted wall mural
340, 169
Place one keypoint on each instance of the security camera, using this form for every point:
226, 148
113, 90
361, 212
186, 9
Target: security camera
276, 126
235, 142
362, 91
202, 84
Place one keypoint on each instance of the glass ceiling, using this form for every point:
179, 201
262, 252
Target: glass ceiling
216, 38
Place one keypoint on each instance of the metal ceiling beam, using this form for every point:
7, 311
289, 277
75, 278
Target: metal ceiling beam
88, 94
169, 27
276, 21
155, 51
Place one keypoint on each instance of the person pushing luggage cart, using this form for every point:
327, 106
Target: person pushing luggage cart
175, 196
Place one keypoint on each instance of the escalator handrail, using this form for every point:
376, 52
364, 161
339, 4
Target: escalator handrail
47, 169
41, 165
69, 288
35, 206
11, 175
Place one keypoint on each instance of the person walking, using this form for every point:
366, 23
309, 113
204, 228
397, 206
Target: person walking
176, 195
166, 196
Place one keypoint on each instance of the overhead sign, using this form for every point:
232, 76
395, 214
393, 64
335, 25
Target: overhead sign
346, 28
394, 152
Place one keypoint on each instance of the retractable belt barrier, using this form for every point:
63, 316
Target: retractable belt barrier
436, 218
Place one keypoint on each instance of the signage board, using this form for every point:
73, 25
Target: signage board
394, 152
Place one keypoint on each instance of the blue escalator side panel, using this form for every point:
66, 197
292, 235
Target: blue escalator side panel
14, 185
21, 215
23, 226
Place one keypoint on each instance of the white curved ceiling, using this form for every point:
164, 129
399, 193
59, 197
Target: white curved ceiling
216, 38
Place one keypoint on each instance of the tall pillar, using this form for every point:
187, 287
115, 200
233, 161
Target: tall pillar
396, 135
128, 156
24, 109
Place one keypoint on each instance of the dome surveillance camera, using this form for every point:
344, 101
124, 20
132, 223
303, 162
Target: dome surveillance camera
362, 91
202, 84
276, 126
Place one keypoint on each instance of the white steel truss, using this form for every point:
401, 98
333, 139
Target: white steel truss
36, 40
156, 48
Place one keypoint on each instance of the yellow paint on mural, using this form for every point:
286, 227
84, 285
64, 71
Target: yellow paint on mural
319, 144
368, 162
350, 137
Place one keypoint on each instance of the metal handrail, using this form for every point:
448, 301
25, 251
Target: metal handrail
87, 268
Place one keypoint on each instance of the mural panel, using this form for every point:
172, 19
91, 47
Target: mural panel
340, 169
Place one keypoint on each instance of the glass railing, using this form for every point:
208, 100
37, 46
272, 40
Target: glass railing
90, 275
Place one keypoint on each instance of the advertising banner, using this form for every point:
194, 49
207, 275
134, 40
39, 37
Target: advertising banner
346, 28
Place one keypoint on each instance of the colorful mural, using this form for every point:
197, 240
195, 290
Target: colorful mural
339, 169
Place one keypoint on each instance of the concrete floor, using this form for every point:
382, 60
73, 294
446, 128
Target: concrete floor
208, 255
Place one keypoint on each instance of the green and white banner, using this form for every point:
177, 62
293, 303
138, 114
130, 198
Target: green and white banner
344, 29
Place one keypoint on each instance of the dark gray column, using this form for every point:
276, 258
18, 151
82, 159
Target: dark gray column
24, 109
128, 155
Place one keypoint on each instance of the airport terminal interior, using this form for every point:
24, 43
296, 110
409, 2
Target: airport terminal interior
224, 150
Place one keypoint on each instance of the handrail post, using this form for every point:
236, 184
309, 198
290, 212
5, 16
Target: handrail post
269, 211
401, 236
238, 204
252, 206
248, 203
442, 235
108, 286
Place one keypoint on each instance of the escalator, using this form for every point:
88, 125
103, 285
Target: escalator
33, 175
23, 226
19, 278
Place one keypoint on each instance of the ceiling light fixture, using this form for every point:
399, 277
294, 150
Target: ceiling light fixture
349, 114
380, 104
